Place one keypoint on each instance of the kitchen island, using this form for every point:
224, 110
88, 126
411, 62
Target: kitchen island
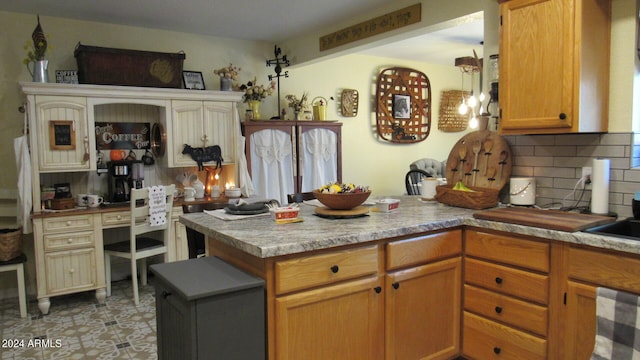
364, 287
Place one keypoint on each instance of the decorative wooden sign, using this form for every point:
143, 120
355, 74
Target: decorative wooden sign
349, 102
403, 99
62, 135
123, 135
381, 24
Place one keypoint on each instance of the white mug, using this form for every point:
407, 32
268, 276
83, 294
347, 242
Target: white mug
81, 199
189, 194
94, 200
428, 188
215, 191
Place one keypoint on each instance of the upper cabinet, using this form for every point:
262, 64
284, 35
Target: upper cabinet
201, 124
554, 66
62, 133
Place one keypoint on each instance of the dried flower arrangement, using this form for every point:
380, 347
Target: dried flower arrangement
298, 105
37, 48
229, 72
253, 91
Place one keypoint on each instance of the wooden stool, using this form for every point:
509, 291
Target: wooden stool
17, 264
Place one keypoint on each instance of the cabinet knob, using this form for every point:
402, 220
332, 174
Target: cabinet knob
68, 222
562, 116
498, 309
377, 289
335, 269
396, 285
498, 280
70, 240
165, 294
496, 350
72, 270
119, 217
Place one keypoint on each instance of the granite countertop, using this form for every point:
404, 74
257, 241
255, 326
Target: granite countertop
262, 237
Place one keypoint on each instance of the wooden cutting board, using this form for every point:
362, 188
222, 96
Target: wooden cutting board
545, 219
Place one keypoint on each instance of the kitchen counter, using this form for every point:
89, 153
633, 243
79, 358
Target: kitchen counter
263, 238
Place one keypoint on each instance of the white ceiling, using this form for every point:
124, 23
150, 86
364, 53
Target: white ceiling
264, 20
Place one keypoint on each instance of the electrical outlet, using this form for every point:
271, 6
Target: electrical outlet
586, 171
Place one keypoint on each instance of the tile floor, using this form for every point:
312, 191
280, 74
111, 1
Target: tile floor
77, 327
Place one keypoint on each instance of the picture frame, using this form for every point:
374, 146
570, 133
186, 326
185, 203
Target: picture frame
62, 135
193, 80
401, 106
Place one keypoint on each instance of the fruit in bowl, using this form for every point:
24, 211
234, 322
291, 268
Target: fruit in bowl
342, 196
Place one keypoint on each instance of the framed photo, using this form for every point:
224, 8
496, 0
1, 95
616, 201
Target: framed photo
193, 80
401, 106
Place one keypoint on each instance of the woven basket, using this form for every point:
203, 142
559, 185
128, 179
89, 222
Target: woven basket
480, 198
10, 243
450, 119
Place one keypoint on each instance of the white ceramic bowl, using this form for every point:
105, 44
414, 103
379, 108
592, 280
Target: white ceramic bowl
387, 205
233, 193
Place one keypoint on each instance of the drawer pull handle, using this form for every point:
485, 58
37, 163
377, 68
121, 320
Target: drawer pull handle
396, 285
165, 294
498, 309
377, 289
498, 280
335, 269
496, 350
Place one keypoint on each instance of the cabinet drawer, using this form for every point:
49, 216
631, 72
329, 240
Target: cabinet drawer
422, 249
67, 223
506, 280
605, 269
116, 218
485, 339
506, 309
315, 270
70, 271
528, 254
66, 241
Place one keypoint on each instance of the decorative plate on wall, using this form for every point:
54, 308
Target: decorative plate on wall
403, 98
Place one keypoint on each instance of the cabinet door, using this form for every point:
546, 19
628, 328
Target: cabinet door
62, 134
423, 311
581, 321
536, 65
336, 322
219, 128
70, 271
187, 128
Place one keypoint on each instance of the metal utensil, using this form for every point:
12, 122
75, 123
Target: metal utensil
477, 146
488, 144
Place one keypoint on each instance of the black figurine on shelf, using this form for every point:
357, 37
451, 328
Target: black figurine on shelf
278, 61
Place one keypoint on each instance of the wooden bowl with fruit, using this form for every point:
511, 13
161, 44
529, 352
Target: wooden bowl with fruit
342, 196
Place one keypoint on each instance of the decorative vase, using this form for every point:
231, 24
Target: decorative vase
40, 71
226, 84
296, 115
254, 105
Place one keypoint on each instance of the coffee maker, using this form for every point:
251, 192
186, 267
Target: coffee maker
124, 175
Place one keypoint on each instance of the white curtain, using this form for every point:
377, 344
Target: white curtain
319, 158
23, 164
272, 164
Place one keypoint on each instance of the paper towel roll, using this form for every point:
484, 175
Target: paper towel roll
600, 186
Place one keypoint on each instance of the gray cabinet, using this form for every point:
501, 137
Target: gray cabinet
208, 309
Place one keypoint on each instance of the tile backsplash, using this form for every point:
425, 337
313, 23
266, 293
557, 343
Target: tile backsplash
556, 162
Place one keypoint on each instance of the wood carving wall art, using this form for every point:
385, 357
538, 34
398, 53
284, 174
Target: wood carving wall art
403, 98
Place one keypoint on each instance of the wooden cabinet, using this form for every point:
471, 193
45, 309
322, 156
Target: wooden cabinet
68, 257
62, 133
422, 288
286, 157
200, 124
507, 290
587, 269
554, 66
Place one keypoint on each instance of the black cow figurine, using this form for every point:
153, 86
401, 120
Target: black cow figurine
205, 154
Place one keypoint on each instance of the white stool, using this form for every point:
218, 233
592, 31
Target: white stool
17, 264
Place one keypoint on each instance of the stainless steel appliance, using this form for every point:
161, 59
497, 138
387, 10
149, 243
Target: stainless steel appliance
123, 176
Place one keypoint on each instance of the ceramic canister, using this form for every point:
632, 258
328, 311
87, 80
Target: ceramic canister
522, 191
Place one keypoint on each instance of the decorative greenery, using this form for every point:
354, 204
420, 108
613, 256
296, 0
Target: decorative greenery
229, 72
37, 48
298, 105
338, 188
253, 91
